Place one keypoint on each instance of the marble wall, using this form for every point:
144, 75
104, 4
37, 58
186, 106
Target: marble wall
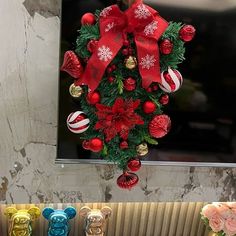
29, 52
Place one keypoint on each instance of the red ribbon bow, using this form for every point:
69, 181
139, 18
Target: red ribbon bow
147, 27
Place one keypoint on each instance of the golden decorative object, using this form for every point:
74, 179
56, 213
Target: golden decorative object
211, 233
20, 221
142, 149
130, 62
95, 220
75, 91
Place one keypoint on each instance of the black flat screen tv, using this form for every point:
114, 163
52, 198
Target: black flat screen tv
203, 112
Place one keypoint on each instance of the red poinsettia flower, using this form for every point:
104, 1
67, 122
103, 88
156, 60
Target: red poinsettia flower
118, 119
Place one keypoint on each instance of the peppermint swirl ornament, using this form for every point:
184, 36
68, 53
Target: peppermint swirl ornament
77, 122
171, 80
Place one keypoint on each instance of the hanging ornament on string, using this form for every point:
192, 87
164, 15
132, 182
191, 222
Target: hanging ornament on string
166, 46
77, 122
72, 65
187, 33
88, 19
130, 62
127, 180
134, 164
171, 81
75, 91
159, 126
142, 149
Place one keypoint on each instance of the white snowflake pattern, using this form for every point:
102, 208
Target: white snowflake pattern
104, 53
147, 61
141, 12
109, 26
106, 12
150, 28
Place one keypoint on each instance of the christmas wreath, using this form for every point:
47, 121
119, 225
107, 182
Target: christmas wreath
124, 66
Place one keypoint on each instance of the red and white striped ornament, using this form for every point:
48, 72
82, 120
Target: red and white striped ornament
77, 122
171, 80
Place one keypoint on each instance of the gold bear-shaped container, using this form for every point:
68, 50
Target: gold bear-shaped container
20, 221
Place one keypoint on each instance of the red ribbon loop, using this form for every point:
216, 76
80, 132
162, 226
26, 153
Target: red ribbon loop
147, 27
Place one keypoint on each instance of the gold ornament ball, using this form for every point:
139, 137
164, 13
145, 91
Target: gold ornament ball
211, 233
75, 91
130, 62
142, 149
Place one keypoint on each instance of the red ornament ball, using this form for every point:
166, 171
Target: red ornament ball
85, 144
134, 164
149, 107
164, 99
149, 89
166, 46
93, 98
95, 144
154, 87
111, 79
113, 67
72, 65
109, 70
124, 145
129, 84
159, 126
88, 19
187, 33
92, 45
171, 80
126, 43
125, 52
77, 122
127, 180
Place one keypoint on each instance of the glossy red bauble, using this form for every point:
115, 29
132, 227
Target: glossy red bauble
149, 89
72, 65
166, 46
127, 180
187, 33
88, 19
92, 45
134, 164
109, 70
164, 99
111, 79
125, 51
93, 98
155, 87
124, 145
159, 126
129, 84
95, 144
149, 107
126, 43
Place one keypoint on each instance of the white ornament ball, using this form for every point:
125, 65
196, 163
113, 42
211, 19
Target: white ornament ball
77, 122
171, 81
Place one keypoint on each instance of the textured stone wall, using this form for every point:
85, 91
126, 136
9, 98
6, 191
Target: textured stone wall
29, 52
